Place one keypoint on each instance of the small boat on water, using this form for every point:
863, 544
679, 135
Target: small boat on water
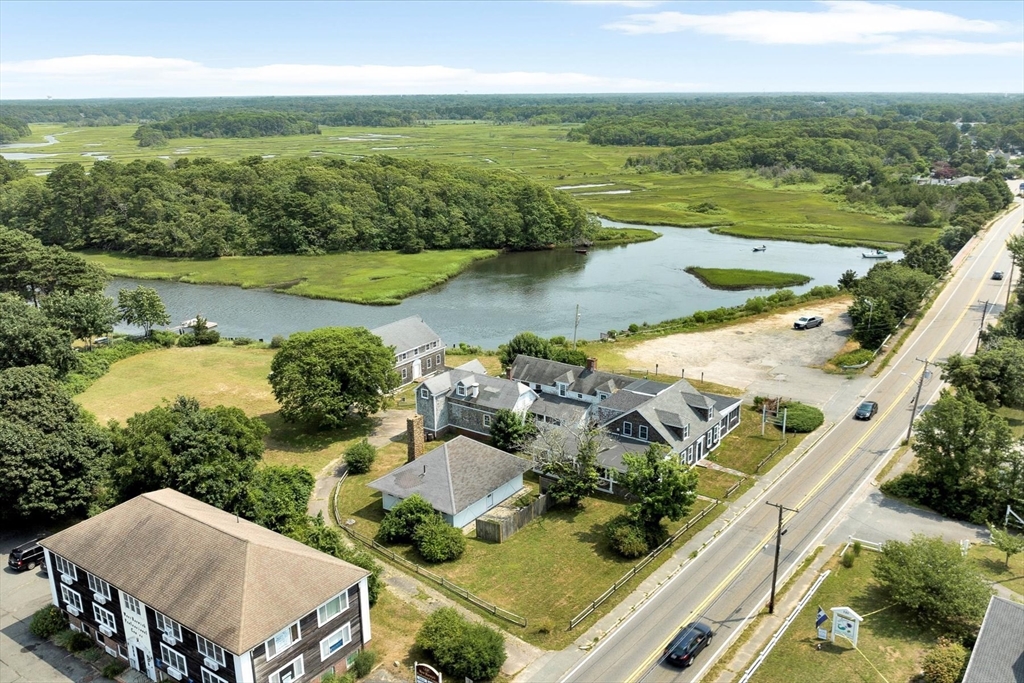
187, 326
877, 253
581, 250
761, 248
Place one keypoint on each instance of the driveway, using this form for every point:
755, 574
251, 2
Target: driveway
23, 657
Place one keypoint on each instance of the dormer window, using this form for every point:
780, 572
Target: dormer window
686, 431
460, 390
641, 431
601, 396
562, 388
627, 429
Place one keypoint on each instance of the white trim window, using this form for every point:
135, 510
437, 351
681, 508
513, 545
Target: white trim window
173, 659
72, 598
132, 603
210, 677
331, 608
437, 360
562, 389
460, 390
65, 567
98, 586
425, 393
168, 626
335, 641
627, 429
211, 650
430, 362
289, 672
641, 432
105, 617
405, 373
282, 640
686, 431
487, 420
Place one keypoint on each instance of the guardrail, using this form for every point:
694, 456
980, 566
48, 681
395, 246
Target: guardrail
639, 566
438, 579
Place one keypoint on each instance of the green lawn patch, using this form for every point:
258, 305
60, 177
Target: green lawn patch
891, 641
715, 483
1015, 418
381, 277
624, 235
991, 563
744, 446
739, 278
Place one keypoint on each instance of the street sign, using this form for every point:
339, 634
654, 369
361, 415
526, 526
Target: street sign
845, 624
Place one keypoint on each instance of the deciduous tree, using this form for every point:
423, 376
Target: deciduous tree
143, 307
1005, 542
511, 431
85, 315
569, 457
661, 486
27, 338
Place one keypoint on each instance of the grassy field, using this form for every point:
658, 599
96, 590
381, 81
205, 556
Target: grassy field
738, 278
1015, 418
747, 205
890, 641
745, 447
991, 563
383, 277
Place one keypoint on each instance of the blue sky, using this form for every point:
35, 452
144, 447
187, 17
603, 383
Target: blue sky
143, 49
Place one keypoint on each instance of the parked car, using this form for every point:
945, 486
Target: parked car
26, 556
866, 410
685, 647
998, 275
807, 322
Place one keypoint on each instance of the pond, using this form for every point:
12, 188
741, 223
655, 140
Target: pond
537, 291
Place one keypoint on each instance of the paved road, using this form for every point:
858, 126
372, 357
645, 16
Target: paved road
730, 581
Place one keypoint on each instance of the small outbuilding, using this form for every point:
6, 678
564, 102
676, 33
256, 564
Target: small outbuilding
461, 479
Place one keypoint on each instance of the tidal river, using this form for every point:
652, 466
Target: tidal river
536, 291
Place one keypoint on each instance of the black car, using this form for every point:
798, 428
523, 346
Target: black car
998, 275
685, 647
866, 410
26, 556
807, 322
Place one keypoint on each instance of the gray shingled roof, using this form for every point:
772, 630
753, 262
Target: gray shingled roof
493, 393
674, 408
624, 401
229, 580
647, 386
998, 655
580, 380
453, 476
406, 334
567, 411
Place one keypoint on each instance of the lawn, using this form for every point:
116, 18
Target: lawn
1015, 418
395, 623
380, 278
991, 563
746, 204
890, 641
715, 484
744, 447
738, 278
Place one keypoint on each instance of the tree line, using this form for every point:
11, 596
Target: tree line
205, 208
11, 129
242, 124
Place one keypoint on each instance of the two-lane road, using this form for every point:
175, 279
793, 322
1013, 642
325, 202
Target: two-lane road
730, 580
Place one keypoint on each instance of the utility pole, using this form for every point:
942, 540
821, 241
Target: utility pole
981, 328
1009, 284
575, 326
778, 546
917, 396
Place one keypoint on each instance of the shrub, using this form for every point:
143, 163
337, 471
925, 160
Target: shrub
47, 622
634, 328
360, 456
188, 340
163, 338
854, 357
401, 521
557, 341
241, 341
908, 486
460, 648
114, 669
626, 538
437, 541
801, 418
858, 547
76, 642
364, 663
945, 662
276, 341
848, 559
207, 337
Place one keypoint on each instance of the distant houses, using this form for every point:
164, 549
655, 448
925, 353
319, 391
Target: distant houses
419, 351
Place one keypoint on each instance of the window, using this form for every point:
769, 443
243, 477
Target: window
105, 617
437, 359
172, 658
579, 395
210, 677
536, 387
430, 362
211, 650
169, 626
424, 393
562, 389
403, 356
686, 431
460, 390
335, 641
627, 429
99, 586
72, 598
132, 604
487, 420
405, 373
289, 672
331, 609
601, 396
283, 640
641, 431
65, 567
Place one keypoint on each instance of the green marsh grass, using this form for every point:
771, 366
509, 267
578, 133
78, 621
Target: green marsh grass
738, 278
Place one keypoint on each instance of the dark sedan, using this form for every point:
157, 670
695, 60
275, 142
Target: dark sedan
866, 410
693, 638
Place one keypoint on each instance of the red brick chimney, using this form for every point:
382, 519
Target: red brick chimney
414, 429
592, 364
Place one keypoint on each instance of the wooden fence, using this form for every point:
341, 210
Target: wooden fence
639, 566
436, 578
500, 528
771, 455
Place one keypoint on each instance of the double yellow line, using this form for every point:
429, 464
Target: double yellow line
649, 661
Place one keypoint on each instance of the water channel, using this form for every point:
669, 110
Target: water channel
538, 291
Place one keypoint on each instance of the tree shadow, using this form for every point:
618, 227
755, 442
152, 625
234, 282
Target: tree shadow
996, 567
888, 620
295, 437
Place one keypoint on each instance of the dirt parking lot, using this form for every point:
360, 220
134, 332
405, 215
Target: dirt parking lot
764, 356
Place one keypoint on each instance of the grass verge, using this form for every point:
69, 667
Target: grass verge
738, 278
744, 447
991, 562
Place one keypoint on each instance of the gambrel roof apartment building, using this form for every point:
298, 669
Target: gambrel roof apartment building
181, 590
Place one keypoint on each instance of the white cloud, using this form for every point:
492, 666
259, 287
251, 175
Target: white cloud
140, 76
635, 4
946, 47
855, 22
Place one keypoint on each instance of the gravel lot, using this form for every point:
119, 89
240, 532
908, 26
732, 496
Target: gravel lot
766, 356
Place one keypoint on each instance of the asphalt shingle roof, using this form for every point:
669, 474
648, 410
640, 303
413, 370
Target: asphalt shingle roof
567, 411
229, 580
406, 334
580, 380
998, 655
453, 476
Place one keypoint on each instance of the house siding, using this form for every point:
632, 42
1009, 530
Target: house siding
481, 506
470, 418
437, 357
636, 419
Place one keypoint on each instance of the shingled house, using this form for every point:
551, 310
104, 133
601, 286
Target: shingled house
419, 351
461, 479
465, 399
180, 590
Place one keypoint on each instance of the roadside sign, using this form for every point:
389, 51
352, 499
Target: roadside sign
426, 673
845, 624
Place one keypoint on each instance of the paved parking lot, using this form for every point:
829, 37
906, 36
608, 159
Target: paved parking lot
23, 657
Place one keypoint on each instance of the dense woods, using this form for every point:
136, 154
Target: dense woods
296, 206
225, 125
12, 129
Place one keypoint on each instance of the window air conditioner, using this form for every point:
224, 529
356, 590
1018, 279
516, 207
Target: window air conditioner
99, 598
111, 651
174, 673
106, 630
73, 611
211, 664
67, 579
168, 638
